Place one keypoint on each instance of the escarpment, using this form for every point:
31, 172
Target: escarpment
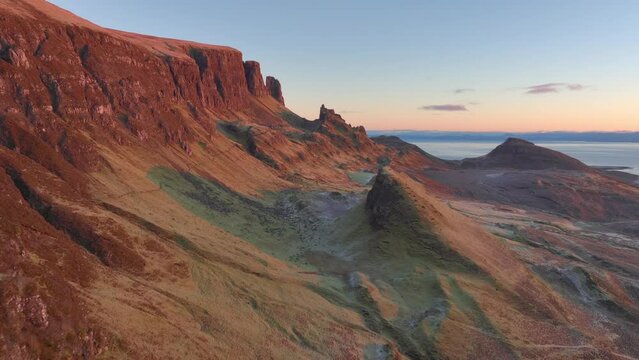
275, 89
70, 89
66, 80
254, 78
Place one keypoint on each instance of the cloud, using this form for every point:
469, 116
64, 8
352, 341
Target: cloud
575, 87
552, 88
444, 107
462, 90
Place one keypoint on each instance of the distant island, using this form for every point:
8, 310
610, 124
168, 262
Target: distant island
595, 136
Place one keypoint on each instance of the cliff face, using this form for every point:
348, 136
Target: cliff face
61, 76
59, 70
69, 88
275, 89
254, 78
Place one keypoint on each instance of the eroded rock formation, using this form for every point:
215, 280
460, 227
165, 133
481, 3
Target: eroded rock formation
275, 88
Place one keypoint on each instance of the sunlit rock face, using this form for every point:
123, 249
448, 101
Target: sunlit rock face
275, 88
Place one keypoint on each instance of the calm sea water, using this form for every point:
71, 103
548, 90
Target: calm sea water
591, 153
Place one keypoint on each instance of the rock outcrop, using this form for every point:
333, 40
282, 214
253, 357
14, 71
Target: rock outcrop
275, 88
387, 205
254, 78
343, 134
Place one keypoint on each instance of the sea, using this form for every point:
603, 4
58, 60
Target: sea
457, 146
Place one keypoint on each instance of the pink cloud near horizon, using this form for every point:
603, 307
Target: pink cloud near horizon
552, 88
444, 107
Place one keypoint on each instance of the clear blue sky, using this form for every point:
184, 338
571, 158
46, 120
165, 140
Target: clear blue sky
397, 64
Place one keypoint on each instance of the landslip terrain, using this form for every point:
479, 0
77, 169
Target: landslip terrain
158, 200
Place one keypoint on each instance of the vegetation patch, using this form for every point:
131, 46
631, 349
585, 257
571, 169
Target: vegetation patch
241, 216
251, 147
466, 303
400, 229
235, 131
298, 122
241, 134
383, 160
361, 177
300, 136
334, 235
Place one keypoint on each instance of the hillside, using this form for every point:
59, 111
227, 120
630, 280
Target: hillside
521, 154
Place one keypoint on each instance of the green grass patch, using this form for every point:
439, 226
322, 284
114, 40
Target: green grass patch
184, 243
401, 233
361, 177
241, 216
235, 131
241, 134
298, 122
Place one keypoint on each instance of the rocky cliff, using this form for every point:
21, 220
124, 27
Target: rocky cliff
69, 88
275, 89
56, 83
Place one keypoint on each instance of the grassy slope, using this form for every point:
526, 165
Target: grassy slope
207, 290
330, 233
420, 284
246, 218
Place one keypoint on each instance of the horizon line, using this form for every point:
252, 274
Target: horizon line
513, 132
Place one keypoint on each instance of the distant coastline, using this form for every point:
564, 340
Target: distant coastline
615, 152
463, 136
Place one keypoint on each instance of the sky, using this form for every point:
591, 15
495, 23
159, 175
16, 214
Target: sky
467, 65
